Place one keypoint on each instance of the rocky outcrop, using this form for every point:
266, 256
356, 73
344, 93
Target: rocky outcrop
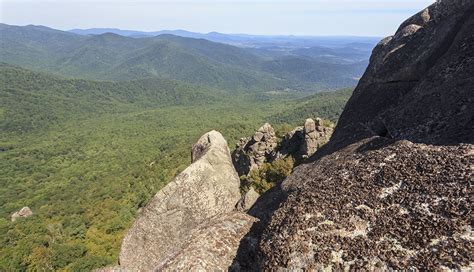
300, 143
303, 142
291, 143
207, 188
252, 153
247, 200
391, 190
23, 213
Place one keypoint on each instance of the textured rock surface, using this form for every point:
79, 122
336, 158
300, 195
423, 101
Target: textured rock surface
419, 84
247, 200
252, 153
212, 246
315, 135
392, 189
23, 213
208, 187
301, 143
376, 205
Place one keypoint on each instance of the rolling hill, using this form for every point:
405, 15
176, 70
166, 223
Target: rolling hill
31, 100
201, 62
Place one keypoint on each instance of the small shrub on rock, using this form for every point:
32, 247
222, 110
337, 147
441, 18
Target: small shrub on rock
268, 175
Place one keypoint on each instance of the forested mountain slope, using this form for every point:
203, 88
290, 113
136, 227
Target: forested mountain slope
85, 155
197, 61
31, 100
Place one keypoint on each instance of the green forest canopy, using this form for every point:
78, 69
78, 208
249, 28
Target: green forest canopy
86, 155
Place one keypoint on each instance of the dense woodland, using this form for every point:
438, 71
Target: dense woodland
86, 154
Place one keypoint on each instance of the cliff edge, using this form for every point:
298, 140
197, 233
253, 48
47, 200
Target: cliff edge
391, 189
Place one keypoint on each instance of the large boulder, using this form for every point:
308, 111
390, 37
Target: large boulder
207, 188
392, 188
315, 136
303, 142
23, 213
291, 143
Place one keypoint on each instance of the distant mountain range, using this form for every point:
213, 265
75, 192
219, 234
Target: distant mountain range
266, 63
244, 40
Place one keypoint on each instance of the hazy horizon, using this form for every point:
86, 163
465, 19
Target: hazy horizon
367, 18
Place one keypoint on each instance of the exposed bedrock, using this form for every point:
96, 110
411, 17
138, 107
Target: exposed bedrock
207, 188
391, 189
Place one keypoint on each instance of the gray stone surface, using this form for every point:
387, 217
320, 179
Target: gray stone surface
212, 246
247, 200
376, 205
315, 136
418, 85
208, 187
251, 153
392, 188
291, 143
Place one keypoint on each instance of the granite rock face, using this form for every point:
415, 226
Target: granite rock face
207, 188
315, 135
418, 85
376, 205
251, 153
23, 213
247, 200
264, 147
212, 246
392, 188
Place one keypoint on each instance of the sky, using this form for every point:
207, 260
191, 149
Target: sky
266, 17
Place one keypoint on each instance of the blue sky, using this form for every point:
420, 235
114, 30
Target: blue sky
300, 17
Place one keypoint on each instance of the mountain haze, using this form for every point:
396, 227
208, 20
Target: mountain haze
242, 40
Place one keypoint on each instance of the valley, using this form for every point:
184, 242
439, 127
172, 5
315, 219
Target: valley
86, 155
